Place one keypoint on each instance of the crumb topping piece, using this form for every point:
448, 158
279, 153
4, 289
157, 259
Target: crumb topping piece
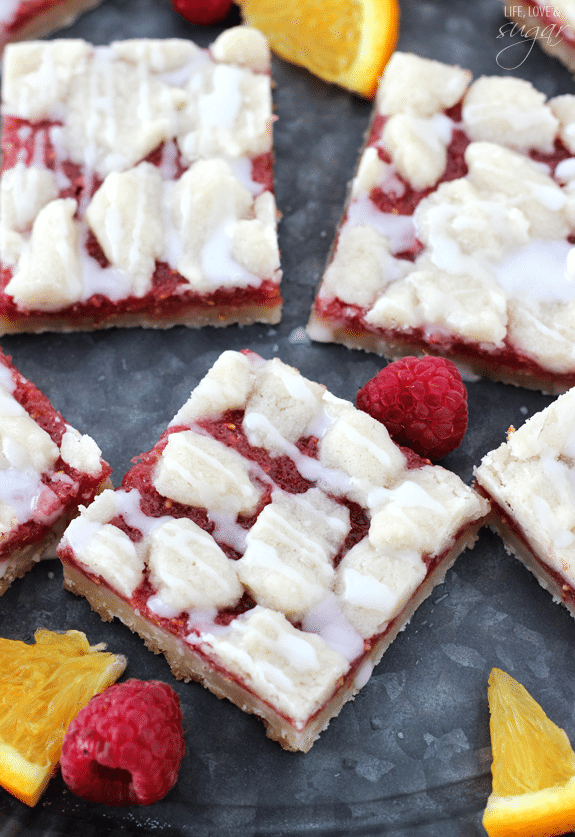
196, 470
296, 671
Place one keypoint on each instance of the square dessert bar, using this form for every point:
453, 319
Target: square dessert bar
530, 483
271, 544
551, 24
20, 19
137, 185
457, 238
47, 469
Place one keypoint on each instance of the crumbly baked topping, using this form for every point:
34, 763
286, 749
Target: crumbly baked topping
309, 510
482, 254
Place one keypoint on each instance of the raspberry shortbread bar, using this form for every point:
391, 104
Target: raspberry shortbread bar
137, 185
47, 469
20, 19
530, 482
551, 24
271, 544
458, 235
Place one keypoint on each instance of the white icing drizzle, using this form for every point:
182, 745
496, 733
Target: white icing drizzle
216, 261
310, 469
242, 168
398, 229
128, 505
366, 591
7, 10
408, 494
80, 532
540, 270
21, 490
60, 155
204, 622
565, 170
107, 281
356, 438
298, 652
435, 129
296, 385
180, 76
168, 160
38, 148
363, 674
327, 620
227, 531
161, 608
8, 383
220, 108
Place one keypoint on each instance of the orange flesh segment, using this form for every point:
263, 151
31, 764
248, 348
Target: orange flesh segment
44, 686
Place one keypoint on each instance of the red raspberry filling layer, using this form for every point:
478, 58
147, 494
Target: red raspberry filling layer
167, 298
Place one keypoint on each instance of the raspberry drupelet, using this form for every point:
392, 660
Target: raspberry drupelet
126, 745
421, 401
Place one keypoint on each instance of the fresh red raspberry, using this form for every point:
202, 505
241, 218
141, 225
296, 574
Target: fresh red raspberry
203, 12
421, 401
126, 745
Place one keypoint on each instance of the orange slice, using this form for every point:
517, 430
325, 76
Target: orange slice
43, 687
533, 766
346, 42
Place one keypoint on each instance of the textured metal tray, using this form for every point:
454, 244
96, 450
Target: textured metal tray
410, 756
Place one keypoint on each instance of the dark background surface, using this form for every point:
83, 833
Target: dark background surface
410, 756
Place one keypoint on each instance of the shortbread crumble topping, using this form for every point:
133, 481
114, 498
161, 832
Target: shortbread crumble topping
460, 226
276, 530
137, 179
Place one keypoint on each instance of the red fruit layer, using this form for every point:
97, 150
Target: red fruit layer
406, 203
351, 318
81, 489
22, 140
159, 303
567, 591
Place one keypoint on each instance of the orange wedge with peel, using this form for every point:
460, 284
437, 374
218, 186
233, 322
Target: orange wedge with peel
345, 42
42, 688
533, 766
